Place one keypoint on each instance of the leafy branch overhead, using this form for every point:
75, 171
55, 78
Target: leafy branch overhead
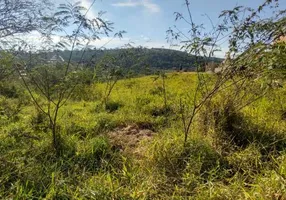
22, 16
85, 29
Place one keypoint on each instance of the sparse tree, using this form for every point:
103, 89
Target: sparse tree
56, 85
162, 75
251, 38
108, 72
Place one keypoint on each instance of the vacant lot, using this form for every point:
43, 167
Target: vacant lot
133, 147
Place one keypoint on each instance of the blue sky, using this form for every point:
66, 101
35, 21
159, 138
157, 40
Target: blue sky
146, 21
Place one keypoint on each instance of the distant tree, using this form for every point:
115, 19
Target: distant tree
135, 59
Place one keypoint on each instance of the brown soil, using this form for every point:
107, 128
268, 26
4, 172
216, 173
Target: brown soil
127, 139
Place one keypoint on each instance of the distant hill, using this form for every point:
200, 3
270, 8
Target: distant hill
136, 60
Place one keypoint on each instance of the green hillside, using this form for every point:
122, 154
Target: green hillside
134, 60
133, 148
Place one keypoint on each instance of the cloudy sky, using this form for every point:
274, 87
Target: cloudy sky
146, 21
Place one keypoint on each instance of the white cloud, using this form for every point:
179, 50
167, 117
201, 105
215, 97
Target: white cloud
145, 38
108, 42
147, 4
222, 52
156, 45
87, 3
34, 41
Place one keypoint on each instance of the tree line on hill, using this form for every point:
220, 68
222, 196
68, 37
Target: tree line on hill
131, 60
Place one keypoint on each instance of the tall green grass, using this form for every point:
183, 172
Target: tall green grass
231, 154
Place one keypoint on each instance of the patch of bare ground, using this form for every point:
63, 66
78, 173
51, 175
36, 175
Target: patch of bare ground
127, 139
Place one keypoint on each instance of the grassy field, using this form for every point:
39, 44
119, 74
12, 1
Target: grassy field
134, 148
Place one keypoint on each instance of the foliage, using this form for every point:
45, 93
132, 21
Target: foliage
107, 71
252, 39
21, 16
6, 63
55, 84
241, 156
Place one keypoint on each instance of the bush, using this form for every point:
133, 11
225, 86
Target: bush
78, 130
247, 161
181, 169
157, 91
174, 159
112, 106
10, 108
161, 111
8, 91
96, 153
86, 93
142, 101
104, 123
40, 121
237, 131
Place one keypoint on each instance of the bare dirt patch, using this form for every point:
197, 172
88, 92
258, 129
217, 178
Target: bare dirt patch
127, 139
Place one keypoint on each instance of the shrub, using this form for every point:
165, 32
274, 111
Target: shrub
8, 91
247, 161
161, 111
96, 153
104, 123
112, 106
157, 91
142, 101
78, 130
39, 121
10, 108
174, 159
